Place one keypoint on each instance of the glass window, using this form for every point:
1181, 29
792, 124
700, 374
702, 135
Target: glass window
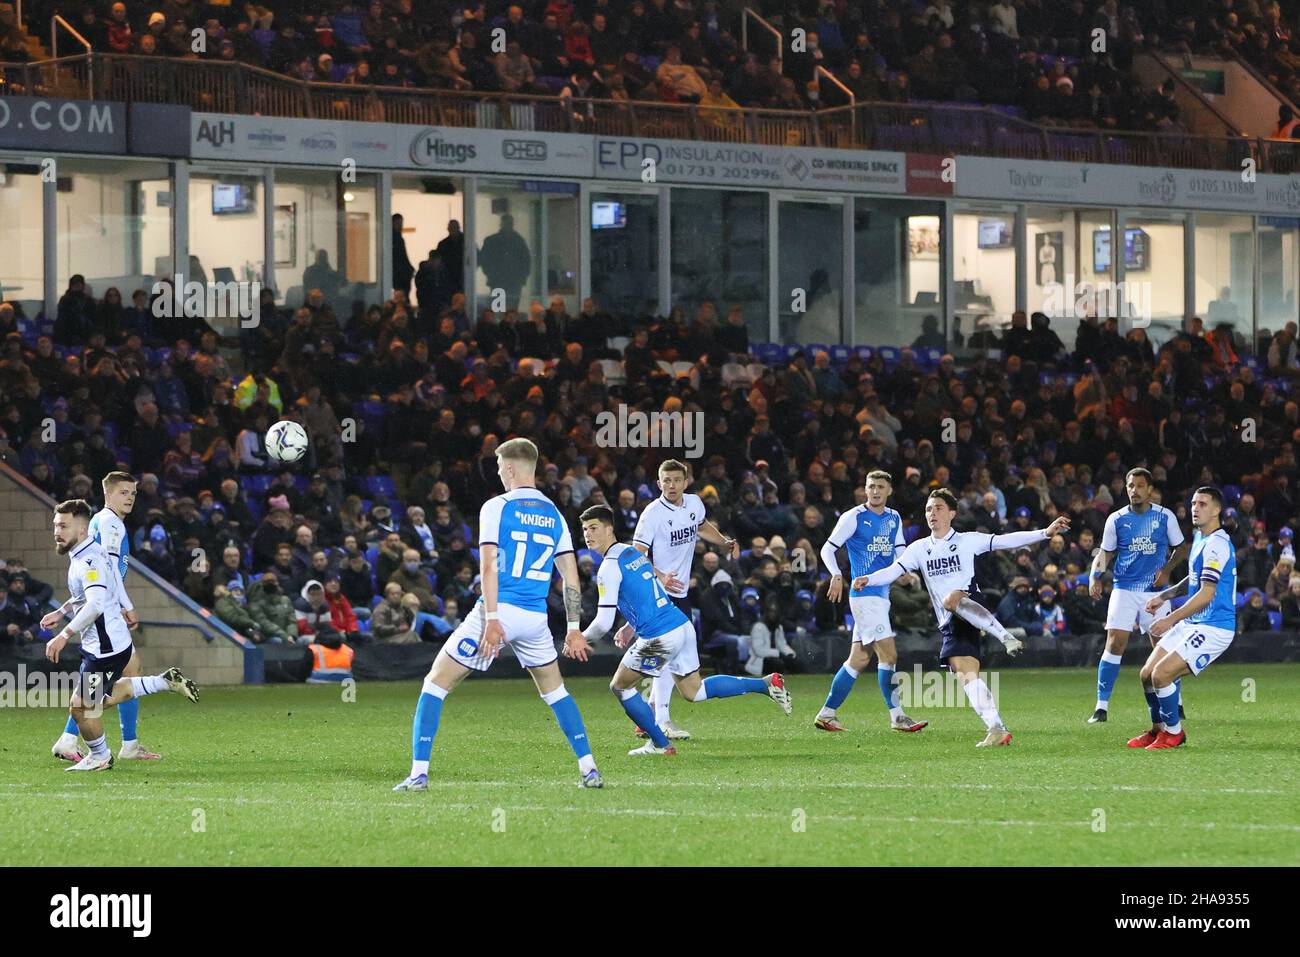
113, 224
810, 275
527, 236
625, 252
984, 265
719, 254
326, 238
1153, 272
898, 272
1279, 272
429, 205
1225, 271
226, 235
22, 272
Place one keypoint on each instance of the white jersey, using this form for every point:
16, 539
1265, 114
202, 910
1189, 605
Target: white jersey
669, 532
946, 564
89, 568
109, 531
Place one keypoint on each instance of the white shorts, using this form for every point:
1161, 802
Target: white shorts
527, 634
1198, 645
870, 618
675, 651
1127, 610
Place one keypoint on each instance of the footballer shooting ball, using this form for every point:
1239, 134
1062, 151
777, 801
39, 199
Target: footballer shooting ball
286, 442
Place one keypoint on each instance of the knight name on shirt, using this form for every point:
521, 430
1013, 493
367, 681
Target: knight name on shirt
525, 519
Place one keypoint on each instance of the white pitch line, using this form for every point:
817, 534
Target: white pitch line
852, 785
408, 804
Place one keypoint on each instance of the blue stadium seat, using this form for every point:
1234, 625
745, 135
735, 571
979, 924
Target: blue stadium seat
931, 357
255, 486
372, 554
377, 485
889, 354
769, 353
1241, 600
840, 354
590, 553
1275, 619
813, 348
864, 352
1231, 495
372, 412
789, 350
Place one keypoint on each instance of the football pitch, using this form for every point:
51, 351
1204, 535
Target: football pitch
295, 775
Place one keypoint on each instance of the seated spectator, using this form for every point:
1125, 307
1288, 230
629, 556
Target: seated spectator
1279, 583
231, 606
1291, 607
18, 620
1018, 609
355, 583
314, 614
1253, 616
341, 615
272, 610
393, 622
411, 578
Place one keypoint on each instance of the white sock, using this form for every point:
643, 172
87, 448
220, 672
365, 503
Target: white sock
419, 767
66, 739
586, 763
149, 685
895, 712
97, 747
662, 695
982, 618
981, 699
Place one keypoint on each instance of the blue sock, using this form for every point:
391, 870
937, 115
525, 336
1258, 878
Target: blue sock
1179, 685
128, 713
424, 727
1153, 703
841, 686
1169, 708
1107, 674
639, 711
885, 676
728, 686
71, 727
570, 721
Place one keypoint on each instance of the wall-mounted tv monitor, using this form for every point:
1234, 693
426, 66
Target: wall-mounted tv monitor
1137, 250
608, 215
996, 234
231, 198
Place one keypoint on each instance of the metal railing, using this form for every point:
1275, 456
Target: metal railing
57, 21
746, 15
942, 129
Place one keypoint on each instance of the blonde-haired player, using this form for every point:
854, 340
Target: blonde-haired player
666, 534
523, 539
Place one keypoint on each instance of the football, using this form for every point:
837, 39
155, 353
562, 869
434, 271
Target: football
286, 441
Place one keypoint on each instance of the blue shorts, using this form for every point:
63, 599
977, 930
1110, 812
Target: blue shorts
99, 675
960, 638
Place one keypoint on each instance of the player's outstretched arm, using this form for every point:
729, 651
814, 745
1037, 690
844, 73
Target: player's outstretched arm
1011, 540
1173, 591
575, 645
1204, 595
713, 535
886, 576
600, 625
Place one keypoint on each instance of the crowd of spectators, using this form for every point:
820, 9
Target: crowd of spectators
373, 536
1062, 62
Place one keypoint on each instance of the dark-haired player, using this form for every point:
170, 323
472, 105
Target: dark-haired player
665, 637
95, 617
1192, 637
1141, 534
946, 560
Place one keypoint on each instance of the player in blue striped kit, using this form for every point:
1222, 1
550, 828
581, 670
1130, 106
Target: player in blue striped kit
665, 637
107, 529
523, 539
873, 535
1142, 534
1191, 638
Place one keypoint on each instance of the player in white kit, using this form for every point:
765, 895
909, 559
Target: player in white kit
109, 531
95, 618
945, 559
666, 533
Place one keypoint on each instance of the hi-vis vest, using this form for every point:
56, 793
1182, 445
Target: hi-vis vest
329, 664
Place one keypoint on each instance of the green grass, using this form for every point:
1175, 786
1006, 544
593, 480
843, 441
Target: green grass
274, 770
